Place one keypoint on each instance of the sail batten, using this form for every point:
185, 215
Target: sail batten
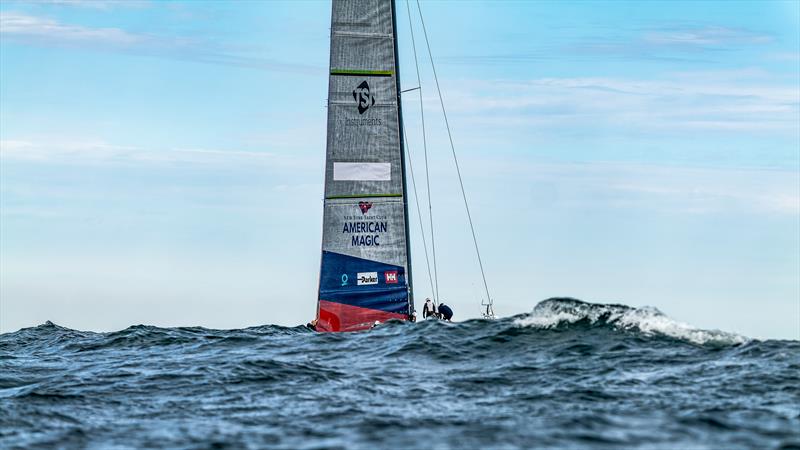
363, 196
365, 269
362, 73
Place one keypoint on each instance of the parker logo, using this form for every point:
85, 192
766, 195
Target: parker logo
390, 276
364, 206
364, 99
367, 278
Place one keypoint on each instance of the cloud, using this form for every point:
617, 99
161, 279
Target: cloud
37, 29
90, 4
745, 101
32, 30
703, 191
675, 189
99, 152
792, 57
708, 36
90, 150
675, 43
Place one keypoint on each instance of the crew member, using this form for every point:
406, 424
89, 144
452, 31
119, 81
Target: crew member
429, 309
445, 312
312, 325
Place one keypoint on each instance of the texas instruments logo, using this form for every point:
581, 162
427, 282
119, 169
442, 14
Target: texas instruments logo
364, 99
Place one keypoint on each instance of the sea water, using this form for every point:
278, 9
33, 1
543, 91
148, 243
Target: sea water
568, 375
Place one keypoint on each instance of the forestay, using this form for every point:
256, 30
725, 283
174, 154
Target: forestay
365, 267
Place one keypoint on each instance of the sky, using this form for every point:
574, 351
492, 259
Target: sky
163, 162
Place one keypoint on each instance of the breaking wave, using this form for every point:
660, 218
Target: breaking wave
561, 312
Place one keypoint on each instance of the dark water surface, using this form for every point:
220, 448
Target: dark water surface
569, 375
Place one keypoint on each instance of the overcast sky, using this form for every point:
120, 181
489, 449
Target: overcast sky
162, 163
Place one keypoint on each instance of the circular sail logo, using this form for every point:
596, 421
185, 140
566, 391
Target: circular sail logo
363, 97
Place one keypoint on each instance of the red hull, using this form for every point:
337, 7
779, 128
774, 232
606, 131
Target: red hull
334, 317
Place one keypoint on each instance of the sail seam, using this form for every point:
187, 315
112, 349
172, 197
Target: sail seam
362, 72
367, 35
335, 197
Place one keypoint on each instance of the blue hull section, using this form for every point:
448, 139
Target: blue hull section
360, 282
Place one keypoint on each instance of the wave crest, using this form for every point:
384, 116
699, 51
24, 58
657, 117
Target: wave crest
556, 313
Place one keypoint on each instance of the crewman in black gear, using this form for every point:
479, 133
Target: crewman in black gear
429, 309
445, 312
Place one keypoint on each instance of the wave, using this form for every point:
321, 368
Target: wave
570, 374
564, 314
559, 313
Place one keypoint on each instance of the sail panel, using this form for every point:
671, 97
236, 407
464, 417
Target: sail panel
362, 16
363, 127
369, 53
344, 86
363, 142
354, 293
366, 227
364, 283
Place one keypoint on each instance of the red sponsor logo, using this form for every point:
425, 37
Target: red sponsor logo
390, 276
364, 206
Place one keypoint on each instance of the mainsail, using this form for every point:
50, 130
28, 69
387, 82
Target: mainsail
365, 271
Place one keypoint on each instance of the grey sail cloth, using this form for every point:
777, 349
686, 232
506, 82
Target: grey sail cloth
364, 213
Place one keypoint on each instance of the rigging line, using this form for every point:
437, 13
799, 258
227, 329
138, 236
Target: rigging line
419, 214
455, 158
425, 149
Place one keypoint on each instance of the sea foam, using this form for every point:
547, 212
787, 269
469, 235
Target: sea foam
560, 312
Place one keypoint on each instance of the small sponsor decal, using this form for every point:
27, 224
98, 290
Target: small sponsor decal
367, 278
362, 171
390, 276
344, 279
364, 206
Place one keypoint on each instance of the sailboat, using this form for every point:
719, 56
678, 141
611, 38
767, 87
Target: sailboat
365, 268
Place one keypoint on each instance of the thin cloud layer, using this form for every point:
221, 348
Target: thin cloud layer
661, 188
705, 36
26, 29
97, 152
737, 101
89, 4
668, 43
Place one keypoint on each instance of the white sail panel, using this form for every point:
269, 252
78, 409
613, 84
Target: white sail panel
367, 228
362, 171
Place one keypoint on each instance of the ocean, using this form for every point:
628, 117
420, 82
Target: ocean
568, 375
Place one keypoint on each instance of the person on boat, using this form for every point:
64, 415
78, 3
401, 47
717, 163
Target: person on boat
312, 325
445, 312
429, 309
